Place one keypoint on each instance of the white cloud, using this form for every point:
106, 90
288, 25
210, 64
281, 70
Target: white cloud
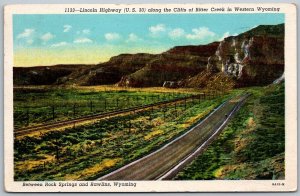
112, 36
82, 40
47, 36
226, 34
59, 44
176, 33
26, 33
67, 28
133, 38
200, 34
157, 29
86, 31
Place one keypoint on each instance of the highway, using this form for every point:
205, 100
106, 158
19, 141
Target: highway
165, 162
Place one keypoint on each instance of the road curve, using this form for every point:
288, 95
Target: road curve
168, 160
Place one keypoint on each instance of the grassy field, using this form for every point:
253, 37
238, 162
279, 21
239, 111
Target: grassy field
89, 151
34, 106
252, 146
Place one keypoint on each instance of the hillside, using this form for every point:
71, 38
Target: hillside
174, 65
47, 75
255, 57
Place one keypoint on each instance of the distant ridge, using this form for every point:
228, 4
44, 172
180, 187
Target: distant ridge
255, 57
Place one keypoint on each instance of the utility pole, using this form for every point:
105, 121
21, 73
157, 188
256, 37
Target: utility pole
164, 111
27, 116
74, 110
53, 112
91, 106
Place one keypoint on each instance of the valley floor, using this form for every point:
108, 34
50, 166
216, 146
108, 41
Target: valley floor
250, 147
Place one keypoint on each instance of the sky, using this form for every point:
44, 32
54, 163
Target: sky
49, 39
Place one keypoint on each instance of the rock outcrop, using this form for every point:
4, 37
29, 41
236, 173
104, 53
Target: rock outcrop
279, 80
255, 57
172, 84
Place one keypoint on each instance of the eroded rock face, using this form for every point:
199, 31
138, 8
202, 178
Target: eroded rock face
116, 68
174, 65
279, 80
127, 81
172, 84
253, 58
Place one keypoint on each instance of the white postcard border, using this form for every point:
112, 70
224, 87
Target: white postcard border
160, 186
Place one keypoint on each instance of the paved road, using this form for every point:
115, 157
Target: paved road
163, 163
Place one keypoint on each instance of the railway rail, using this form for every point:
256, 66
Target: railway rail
81, 120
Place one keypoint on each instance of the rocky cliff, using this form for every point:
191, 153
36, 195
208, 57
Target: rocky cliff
112, 71
141, 70
175, 64
255, 57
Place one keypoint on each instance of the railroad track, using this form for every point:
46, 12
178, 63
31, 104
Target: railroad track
165, 162
81, 120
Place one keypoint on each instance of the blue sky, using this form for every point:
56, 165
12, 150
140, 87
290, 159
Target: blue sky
52, 39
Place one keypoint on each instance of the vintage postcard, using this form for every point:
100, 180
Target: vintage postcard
143, 98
